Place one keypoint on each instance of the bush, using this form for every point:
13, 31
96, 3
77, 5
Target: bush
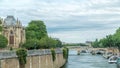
22, 54
0, 28
11, 48
31, 44
53, 54
3, 41
65, 53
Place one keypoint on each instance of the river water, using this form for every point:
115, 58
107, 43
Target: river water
86, 60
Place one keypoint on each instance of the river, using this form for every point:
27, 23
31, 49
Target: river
86, 60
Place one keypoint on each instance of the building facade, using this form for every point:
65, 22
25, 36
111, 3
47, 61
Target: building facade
13, 30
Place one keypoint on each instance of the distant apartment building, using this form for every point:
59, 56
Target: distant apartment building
13, 30
89, 43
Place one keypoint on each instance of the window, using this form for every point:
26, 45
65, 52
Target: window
11, 40
11, 32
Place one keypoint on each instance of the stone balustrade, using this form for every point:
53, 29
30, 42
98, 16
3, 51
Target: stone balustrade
12, 54
36, 59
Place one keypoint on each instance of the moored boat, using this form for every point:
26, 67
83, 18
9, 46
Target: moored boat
112, 59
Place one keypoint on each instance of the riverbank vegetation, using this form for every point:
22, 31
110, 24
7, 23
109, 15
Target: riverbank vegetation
53, 54
3, 39
65, 53
22, 54
110, 41
75, 44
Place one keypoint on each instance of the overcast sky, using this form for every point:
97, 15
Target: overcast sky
69, 20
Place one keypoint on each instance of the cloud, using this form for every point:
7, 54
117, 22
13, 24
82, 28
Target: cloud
82, 36
68, 18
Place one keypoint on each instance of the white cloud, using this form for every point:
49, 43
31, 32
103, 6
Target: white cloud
103, 1
75, 15
82, 36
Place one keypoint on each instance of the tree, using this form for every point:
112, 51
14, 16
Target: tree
95, 44
36, 29
31, 44
116, 38
3, 41
103, 42
110, 41
48, 42
0, 28
59, 43
0, 22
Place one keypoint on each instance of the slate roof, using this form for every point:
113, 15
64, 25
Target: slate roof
9, 21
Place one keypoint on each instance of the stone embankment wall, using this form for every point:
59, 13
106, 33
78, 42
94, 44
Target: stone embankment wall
35, 59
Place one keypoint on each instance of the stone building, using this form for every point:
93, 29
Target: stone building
13, 30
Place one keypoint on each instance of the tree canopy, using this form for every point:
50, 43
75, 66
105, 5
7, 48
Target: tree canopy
31, 44
36, 29
0, 22
48, 42
95, 43
36, 37
110, 40
0, 28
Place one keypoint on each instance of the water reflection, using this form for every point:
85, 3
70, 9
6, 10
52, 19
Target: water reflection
86, 60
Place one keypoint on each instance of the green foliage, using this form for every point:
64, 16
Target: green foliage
36, 37
116, 38
65, 53
95, 44
74, 44
82, 44
53, 54
22, 54
110, 40
31, 44
45, 42
11, 48
0, 28
58, 43
36, 30
3, 41
48, 42
0, 22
